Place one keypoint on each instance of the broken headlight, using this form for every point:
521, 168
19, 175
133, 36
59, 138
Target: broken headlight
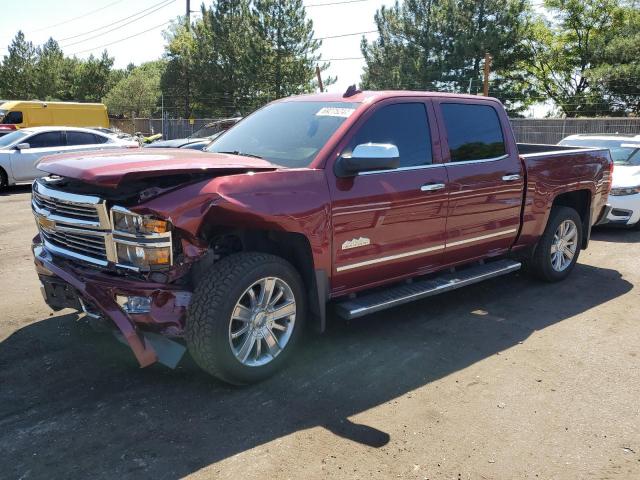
134, 224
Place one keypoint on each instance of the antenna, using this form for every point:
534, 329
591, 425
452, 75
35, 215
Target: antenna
351, 91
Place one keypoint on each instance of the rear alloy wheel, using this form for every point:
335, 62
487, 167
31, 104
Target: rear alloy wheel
245, 317
558, 249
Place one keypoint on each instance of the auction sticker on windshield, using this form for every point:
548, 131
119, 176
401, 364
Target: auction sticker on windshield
335, 112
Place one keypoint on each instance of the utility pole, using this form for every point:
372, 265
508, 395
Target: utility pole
487, 70
187, 94
319, 79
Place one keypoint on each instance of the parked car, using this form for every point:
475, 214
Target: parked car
200, 138
310, 200
625, 191
21, 150
19, 114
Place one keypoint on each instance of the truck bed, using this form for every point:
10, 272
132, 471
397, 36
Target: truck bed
537, 149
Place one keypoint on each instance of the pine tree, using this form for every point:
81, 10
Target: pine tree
16, 72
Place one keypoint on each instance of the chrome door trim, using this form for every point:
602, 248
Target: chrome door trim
481, 160
481, 237
390, 257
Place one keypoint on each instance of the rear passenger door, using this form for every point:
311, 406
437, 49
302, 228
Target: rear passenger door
485, 179
390, 223
24, 162
84, 141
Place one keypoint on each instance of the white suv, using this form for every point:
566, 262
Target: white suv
625, 191
21, 150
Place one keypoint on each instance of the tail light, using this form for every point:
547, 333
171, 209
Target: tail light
610, 176
7, 126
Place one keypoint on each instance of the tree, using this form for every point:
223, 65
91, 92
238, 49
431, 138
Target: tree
93, 78
47, 71
176, 79
584, 51
429, 44
138, 93
16, 73
285, 47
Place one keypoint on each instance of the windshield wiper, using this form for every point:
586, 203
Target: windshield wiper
238, 152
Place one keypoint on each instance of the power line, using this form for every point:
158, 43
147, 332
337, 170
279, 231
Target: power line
122, 39
347, 35
165, 2
76, 18
333, 3
119, 26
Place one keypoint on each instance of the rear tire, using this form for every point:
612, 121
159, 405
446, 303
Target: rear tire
557, 251
246, 316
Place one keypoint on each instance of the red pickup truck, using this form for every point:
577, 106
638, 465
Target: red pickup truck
364, 201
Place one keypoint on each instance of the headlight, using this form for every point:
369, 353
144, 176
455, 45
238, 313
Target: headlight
144, 257
129, 222
624, 191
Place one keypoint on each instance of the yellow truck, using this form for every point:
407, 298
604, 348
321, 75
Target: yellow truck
19, 114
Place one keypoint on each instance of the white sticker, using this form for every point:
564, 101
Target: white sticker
335, 112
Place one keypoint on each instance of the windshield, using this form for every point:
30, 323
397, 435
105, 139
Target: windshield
11, 138
289, 134
623, 151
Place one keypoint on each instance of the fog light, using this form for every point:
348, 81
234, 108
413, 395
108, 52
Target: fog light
134, 304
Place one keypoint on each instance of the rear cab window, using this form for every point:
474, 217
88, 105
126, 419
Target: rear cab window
474, 132
404, 125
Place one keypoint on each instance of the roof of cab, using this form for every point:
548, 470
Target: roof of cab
371, 95
60, 127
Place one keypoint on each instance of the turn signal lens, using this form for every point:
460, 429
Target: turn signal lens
129, 222
143, 257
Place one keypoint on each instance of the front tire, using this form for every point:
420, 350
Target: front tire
557, 252
4, 179
245, 317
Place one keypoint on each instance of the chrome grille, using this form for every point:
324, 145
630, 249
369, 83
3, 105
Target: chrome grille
81, 243
56, 206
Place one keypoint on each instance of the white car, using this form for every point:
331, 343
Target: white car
21, 150
625, 190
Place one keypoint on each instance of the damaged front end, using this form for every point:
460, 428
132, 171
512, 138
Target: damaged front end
124, 268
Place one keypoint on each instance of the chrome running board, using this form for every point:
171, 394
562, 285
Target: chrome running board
405, 293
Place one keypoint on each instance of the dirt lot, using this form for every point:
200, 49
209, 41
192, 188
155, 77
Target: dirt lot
507, 379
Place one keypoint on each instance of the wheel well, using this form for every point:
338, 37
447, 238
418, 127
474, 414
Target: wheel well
580, 201
293, 247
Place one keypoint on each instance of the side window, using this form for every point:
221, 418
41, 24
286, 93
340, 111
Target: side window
80, 138
404, 125
100, 139
46, 140
12, 117
474, 131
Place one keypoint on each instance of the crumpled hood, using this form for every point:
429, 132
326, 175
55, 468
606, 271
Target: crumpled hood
625, 176
113, 167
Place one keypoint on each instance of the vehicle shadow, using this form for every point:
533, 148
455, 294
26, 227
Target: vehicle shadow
615, 234
13, 189
74, 405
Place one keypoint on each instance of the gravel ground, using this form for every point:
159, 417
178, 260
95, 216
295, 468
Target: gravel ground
506, 379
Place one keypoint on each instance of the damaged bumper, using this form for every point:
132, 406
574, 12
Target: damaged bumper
148, 317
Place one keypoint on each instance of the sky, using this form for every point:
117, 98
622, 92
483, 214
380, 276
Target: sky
41, 19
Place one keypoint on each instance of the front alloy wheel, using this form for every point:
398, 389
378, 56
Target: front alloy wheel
245, 317
262, 322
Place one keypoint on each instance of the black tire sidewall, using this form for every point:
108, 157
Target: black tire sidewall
542, 257
227, 367
4, 179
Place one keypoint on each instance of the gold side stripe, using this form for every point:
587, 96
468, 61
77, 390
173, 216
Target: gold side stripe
423, 250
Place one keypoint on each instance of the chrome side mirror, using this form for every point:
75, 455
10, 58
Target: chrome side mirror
368, 157
23, 146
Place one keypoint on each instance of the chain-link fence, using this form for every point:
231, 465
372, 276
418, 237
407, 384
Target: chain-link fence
527, 130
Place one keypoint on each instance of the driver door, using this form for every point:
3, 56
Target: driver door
23, 162
390, 223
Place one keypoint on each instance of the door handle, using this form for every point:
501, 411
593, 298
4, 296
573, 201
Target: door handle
431, 187
511, 178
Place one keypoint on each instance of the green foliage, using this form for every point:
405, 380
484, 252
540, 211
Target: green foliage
440, 45
138, 93
239, 55
585, 58
16, 73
